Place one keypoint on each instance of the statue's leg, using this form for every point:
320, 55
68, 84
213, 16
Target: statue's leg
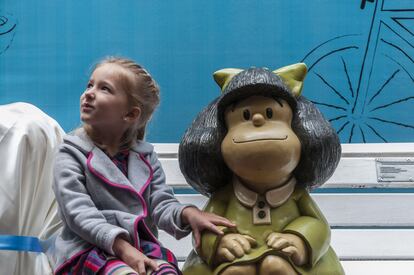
274, 265
240, 270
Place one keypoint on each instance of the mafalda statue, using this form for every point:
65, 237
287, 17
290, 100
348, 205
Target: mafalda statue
256, 151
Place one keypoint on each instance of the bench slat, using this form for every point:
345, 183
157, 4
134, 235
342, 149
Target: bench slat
353, 210
350, 173
378, 267
372, 267
356, 169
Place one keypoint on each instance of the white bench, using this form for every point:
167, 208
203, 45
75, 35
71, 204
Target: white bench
372, 220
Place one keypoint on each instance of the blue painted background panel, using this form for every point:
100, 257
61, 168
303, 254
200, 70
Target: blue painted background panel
360, 55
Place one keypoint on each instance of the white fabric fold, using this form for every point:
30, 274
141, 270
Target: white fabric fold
28, 138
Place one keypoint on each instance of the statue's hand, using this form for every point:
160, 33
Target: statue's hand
234, 246
290, 245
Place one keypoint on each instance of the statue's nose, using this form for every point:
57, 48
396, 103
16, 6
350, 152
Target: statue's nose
258, 120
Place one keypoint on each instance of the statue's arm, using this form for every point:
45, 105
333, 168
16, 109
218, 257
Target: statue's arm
311, 227
210, 241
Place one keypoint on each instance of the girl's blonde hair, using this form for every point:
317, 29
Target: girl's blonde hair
142, 92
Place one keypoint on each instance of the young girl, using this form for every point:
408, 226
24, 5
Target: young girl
110, 186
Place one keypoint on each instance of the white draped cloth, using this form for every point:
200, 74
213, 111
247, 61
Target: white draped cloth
28, 140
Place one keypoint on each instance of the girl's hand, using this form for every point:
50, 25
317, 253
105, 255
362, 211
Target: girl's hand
290, 245
133, 257
200, 220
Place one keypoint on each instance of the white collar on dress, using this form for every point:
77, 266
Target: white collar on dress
274, 197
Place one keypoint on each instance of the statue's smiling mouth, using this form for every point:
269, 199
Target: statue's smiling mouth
259, 139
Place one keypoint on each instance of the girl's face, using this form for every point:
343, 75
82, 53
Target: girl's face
260, 146
104, 103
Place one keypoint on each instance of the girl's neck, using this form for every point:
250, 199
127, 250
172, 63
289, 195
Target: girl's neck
107, 140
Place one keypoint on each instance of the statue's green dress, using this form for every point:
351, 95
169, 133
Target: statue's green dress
298, 215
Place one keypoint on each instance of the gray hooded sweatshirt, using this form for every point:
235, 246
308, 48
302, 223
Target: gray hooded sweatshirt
97, 202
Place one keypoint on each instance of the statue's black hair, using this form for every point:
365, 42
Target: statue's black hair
200, 157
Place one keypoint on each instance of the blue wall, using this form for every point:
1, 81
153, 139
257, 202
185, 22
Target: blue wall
360, 55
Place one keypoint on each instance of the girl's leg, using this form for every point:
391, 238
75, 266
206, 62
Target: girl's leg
164, 268
117, 267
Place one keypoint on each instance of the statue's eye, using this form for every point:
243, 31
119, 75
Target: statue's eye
269, 112
246, 114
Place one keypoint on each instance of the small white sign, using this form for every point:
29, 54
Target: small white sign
395, 170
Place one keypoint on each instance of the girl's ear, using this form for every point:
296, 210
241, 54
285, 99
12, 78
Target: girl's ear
293, 76
133, 115
223, 77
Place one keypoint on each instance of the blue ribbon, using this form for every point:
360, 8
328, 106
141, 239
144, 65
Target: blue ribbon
20, 243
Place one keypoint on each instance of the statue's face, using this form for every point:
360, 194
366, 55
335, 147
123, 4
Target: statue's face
260, 146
